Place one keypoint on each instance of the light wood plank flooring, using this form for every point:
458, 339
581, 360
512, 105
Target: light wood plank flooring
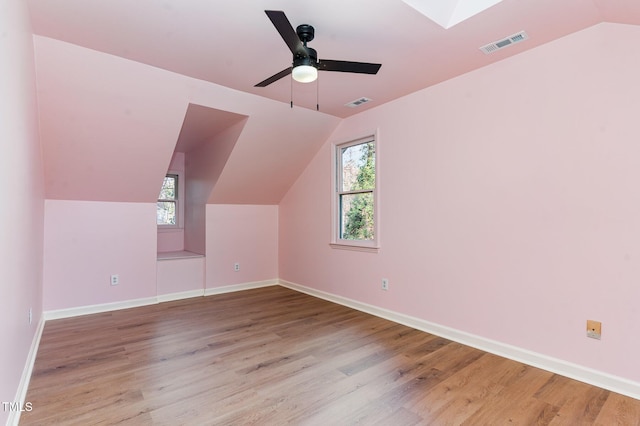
273, 356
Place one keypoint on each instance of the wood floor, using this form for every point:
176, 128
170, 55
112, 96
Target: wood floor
273, 356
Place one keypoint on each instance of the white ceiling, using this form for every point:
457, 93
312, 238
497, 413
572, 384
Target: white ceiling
233, 43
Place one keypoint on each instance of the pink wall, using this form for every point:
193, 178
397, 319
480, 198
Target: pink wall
109, 128
510, 203
246, 234
21, 218
87, 241
170, 240
205, 163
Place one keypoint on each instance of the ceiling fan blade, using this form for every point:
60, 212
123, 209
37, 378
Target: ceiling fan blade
289, 35
274, 78
347, 66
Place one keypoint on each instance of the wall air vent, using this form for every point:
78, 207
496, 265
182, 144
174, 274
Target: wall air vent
357, 102
500, 44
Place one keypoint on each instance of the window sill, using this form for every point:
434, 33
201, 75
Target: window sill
183, 254
353, 247
165, 228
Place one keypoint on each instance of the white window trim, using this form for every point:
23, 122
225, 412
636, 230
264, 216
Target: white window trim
179, 204
371, 246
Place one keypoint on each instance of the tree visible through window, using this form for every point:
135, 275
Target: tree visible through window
356, 191
168, 202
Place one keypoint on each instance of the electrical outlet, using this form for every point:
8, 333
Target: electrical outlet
115, 279
236, 266
385, 284
594, 329
30, 315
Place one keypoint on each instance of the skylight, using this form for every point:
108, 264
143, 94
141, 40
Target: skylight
448, 13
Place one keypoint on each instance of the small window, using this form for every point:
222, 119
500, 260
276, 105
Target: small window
355, 199
167, 211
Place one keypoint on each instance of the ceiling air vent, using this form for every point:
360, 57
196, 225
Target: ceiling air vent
500, 44
357, 102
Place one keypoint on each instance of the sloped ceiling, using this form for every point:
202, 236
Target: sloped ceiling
233, 43
109, 127
115, 79
201, 125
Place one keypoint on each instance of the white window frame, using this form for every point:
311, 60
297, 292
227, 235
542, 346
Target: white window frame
372, 245
179, 203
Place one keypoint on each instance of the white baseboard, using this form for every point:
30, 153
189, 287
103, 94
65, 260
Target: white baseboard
554, 365
94, 309
23, 386
126, 304
240, 287
180, 295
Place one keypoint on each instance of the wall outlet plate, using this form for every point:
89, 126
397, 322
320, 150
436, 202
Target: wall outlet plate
115, 279
594, 329
385, 284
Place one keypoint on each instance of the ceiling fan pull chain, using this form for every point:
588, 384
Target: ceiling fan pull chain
317, 95
291, 93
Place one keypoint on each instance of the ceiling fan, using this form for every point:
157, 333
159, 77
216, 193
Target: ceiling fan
306, 65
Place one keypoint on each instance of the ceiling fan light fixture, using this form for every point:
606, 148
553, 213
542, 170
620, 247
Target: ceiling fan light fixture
305, 73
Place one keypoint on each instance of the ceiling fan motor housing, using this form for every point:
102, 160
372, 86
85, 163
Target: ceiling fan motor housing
305, 33
309, 58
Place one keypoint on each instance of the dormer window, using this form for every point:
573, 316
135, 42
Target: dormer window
167, 211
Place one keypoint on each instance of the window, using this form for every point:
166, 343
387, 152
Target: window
167, 211
355, 211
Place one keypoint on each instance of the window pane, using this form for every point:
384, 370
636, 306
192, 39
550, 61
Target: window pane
166, 213
358, 167
356, 216
168, 191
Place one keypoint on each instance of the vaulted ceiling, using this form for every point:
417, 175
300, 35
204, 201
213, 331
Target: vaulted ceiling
233, 43
122, 84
